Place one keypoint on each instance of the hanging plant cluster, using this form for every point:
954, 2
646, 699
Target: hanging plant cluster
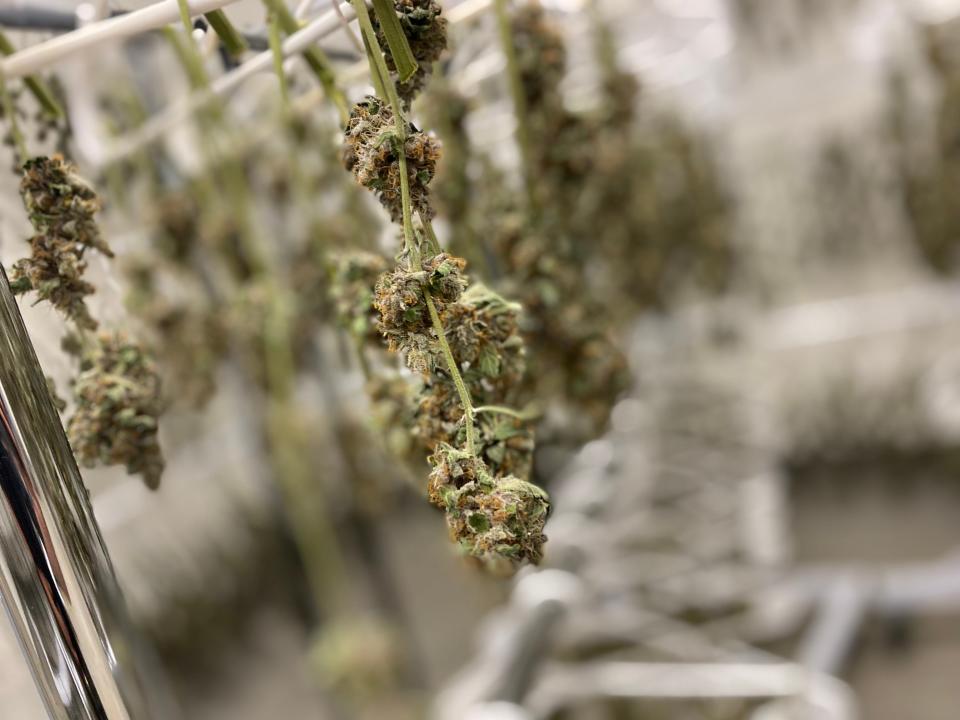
117, 389
930, 180
616, 217
458, 337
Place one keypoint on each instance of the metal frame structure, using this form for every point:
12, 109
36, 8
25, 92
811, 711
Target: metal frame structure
56, 579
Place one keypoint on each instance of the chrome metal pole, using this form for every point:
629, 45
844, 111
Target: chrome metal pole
56, 579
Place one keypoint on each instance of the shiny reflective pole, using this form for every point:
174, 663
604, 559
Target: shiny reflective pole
56, 579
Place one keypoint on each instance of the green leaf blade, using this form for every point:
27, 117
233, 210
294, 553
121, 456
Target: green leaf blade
403, 58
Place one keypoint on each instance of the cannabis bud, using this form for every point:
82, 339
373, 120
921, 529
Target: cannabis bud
444, 277
452, 469
426, 33
541, 56
404, 317
60, 202
117, 396
496, 521
55, 271
371, 148
483, 332
61, 207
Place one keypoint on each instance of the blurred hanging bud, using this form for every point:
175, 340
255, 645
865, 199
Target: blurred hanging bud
359, 659
426, 33
352, 278
371, 154
391, 413
61, 207
61, 203
541, 57
117, 396
55, 271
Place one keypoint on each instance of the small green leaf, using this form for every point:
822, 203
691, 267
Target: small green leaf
496, 453
505, 431
489, 361
479, 522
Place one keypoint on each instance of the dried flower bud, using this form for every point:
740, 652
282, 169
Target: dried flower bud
398, 297
404, 317
445, 277
370, 152
438, 413
426, 33
483, 332
452, 469
117, 396
61, 208
505, 443
499, 522
54, 271
60, 202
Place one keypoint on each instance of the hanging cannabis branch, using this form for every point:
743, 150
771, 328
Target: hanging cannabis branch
117, 390
459, 337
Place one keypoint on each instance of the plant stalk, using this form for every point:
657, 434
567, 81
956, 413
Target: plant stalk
35, 85
505, 28
379, 66
230, 37
273, 30
317, 60
10, 110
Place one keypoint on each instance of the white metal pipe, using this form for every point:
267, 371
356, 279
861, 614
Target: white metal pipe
39, 57
182, 109
325, 25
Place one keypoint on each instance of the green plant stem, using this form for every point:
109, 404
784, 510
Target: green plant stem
317, 60
189, 56
273, 30
378, 65
185, 18
375, 78
303, 498
35, 85
519, 102
529, 414
230, 37
10, 110
232, 175
462, 390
